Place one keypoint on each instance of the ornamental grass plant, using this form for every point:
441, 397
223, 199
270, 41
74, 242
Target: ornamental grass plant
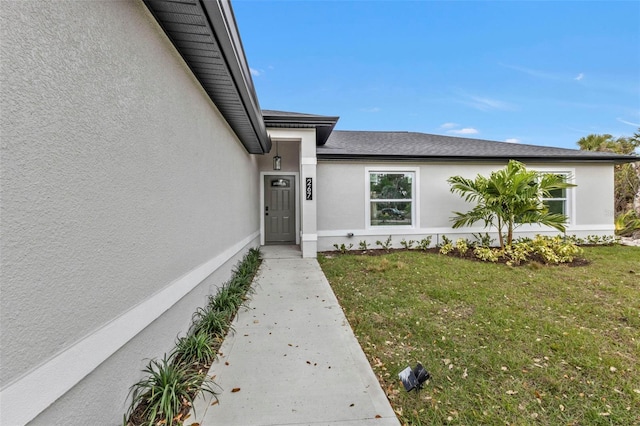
165, 395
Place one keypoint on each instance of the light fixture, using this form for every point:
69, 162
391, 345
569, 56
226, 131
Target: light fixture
414, 379
277, 160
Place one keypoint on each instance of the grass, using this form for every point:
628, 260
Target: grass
504, 345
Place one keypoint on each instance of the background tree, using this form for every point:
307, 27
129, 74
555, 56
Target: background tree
509, 198
627, 176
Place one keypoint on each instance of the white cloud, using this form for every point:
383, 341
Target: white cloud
373, 109
513, 140
579, 77
464, 131
485, 104
449, 125
628, 122
255, 72
532, 72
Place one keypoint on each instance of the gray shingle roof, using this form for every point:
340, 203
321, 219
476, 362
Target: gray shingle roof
406, 146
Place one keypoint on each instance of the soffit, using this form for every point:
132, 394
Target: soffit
205, 34
295, 120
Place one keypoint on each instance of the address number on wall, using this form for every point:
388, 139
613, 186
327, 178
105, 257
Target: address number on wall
309, 188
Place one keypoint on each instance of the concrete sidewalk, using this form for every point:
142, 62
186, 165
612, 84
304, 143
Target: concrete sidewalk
293, 358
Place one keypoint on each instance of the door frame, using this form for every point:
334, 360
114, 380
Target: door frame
296, 178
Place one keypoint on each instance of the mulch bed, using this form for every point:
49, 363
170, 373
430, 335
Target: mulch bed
535, 259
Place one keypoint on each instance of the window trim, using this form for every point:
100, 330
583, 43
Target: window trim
569, 194
415, 196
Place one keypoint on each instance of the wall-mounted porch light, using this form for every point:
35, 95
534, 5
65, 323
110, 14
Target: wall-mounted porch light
277, 160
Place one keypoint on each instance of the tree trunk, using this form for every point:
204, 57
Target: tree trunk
500, 236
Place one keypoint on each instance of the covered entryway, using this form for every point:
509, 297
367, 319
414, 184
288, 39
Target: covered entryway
280, 209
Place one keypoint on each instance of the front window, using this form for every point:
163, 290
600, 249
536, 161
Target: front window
391, 198
556, 202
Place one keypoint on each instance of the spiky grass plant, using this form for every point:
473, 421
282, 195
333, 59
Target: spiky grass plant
166, 392
212, 322
173, 382
194, 349
228, 300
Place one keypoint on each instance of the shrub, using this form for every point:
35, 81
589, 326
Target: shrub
363, 245
161, 396
444, 241
385, 245
627, 223
462, 246
486, 254
446, 248
483, 240
424, 243
343, 248
407, 244
555, 249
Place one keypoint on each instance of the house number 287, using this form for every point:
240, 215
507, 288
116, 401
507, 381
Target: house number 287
309, 188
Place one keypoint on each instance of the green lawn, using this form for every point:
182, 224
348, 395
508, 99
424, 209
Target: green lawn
551, 345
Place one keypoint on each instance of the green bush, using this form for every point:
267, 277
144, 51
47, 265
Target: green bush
212, 322
386, 244
165, 391
461, 246
194, 348
551, 250
627, 223
447, 248
407, 244
425, 243
487, 254
342, 248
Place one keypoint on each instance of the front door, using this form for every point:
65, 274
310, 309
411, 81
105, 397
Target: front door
279, 210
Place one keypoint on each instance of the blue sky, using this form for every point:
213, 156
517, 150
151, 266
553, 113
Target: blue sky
543, 72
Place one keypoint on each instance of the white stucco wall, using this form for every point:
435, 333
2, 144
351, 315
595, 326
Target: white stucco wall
303, 142
122, 189
342, 205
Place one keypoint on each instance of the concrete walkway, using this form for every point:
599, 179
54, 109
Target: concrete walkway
293, 358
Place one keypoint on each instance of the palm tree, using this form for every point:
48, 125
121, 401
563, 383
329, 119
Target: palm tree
627, 176
509, 198
596, 142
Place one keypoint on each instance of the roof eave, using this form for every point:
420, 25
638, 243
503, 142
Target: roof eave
323, 125
524, 159
239, 106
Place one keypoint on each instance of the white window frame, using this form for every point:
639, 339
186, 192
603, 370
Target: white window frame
415, 199
569, 192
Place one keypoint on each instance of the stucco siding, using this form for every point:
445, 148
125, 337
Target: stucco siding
590, 209
119, 176
341, 196
342, 187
